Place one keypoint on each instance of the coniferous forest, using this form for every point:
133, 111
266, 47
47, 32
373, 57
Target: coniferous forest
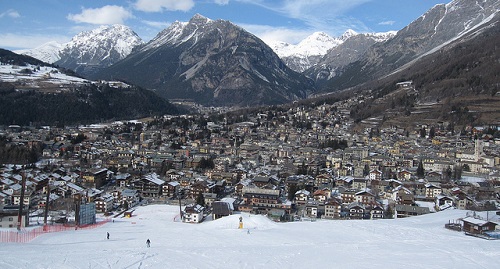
89, 103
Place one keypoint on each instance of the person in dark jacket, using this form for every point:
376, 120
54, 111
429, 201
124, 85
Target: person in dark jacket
148, 243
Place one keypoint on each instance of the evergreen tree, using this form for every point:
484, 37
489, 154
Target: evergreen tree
432, 132
423, 133
366, 170
466, 168
291, 192
163, 168
207, 163
420, 169
200, 199
302, 169
457, 172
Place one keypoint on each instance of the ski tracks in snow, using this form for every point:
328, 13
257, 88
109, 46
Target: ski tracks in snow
138, 264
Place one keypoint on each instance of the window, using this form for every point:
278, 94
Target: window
11, 219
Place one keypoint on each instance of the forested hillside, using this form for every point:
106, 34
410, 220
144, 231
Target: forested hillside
84, 104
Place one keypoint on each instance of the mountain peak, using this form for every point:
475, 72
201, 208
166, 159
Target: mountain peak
212, 62
317, 43
310, 50
199, 19
321, 36
48, 52
440, 26
98, 48
381, 37
348, 33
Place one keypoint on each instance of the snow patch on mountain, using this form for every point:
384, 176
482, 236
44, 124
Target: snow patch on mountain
310, 51
48, 52
33, 75
467, 30
319, 43
178, 32
169, 35
381, 37
316, 44
347, 34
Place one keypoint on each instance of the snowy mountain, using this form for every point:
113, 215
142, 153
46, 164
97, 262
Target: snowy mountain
213, 62
382, 36
438, 27
90, 51
48, 52
414, 242
174, 34
310, 51
314, 45
349, 51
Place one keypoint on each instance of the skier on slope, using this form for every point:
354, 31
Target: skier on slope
148, 243
107, 235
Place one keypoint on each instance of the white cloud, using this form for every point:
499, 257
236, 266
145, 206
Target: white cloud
270, 34
221, 2
308, 8
104, 15
157, 24
387, 23
320, 15
160, 5
28, 41
10, 13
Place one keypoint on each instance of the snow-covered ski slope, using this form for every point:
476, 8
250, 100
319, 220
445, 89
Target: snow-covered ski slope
417, 242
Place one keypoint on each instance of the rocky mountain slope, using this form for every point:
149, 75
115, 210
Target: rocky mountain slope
439, 26
313, 54
213, 63
458, 84
349, 51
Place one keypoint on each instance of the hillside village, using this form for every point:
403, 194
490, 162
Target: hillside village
295, 163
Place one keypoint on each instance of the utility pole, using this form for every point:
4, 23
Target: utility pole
180, 206
77, 209
21, 202
46, 211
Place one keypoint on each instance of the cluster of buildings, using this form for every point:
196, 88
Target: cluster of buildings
290, 164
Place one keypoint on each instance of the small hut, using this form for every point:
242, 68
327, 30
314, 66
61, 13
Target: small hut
477, 226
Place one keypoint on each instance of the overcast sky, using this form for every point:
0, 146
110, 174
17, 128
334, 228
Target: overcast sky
30, 23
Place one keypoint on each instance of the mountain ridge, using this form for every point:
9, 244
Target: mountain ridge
311, 51
443, 23
47, 52
35, 92
89, 50
214, 62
